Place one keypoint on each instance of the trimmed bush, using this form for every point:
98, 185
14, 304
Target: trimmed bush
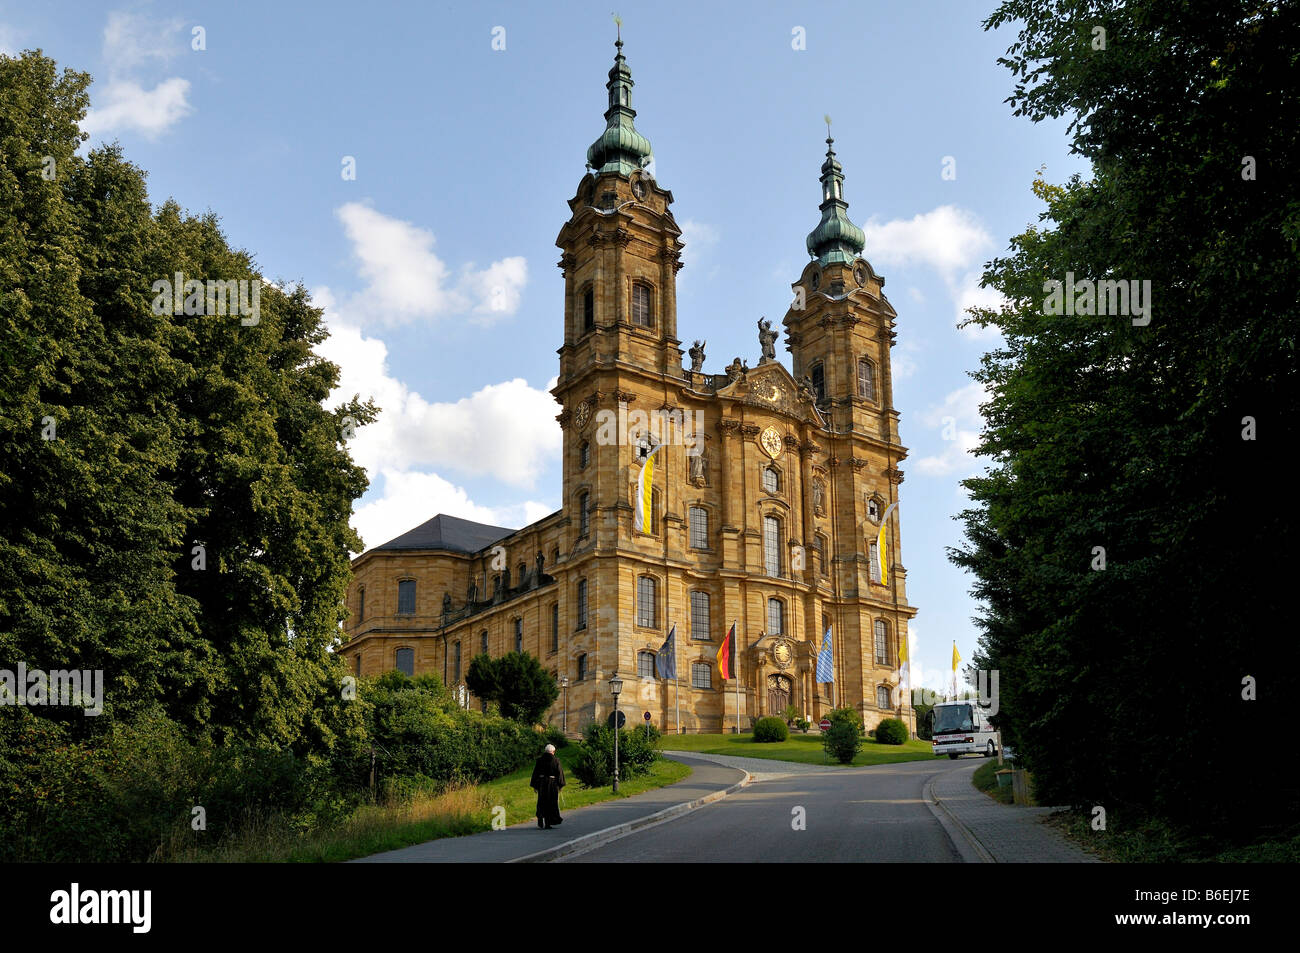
594, 765
843, 740
770, 729
891, 731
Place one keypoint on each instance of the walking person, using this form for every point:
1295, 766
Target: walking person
548, 778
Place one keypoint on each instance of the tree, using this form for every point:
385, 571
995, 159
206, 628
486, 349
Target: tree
516, 681
1124, 541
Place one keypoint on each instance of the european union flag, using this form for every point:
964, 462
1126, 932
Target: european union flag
666, 657
825, 660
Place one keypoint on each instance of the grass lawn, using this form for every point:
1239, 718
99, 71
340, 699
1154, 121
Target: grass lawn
468, 810
985, 779
806, 749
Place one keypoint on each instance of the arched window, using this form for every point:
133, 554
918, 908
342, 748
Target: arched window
775, 617
873, 556
555, 555
406, 597
819, 381
772, 545
582, 667
701, 621
406, 661
866, 379
771, 480
820, 546
555, 627
582, 603
588, 309
482, 642
882, 697
519, 634
642, 317
645, 664
882, 642
584, 455
647, 598
361, 604
701, 675
655, 498
584, 514
523, 574
698, 517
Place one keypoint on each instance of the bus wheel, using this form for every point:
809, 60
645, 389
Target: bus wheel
990, 751
953, 756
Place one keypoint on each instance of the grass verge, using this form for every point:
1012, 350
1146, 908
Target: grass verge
375, 828
985, 779
806, 749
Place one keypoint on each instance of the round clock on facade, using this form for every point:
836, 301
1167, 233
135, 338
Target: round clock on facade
781, 653
770, 441
860, 274
583, 414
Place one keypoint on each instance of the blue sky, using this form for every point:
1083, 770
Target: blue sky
437, 262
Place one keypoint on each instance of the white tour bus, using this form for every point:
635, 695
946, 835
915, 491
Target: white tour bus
961, 727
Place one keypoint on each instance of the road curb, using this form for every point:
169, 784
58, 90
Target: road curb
600, 838
963, 838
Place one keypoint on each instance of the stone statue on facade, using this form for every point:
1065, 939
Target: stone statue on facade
446, 603
697, 464
697, 356
819, 498
767, 340
736, 370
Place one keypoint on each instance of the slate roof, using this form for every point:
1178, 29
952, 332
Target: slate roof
449, 533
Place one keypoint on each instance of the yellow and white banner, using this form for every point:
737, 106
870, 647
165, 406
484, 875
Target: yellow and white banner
644, 493
882, 544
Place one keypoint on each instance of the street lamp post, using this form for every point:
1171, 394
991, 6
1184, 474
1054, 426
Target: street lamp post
564, 684
615, 686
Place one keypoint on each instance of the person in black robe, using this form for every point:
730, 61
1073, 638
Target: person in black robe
548, 778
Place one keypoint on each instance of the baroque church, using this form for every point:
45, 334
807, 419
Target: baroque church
766, 517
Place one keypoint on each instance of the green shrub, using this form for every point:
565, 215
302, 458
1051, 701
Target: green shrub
556, 737
770, 729
891, 731
802, 724
594, 764
845, 714
790, 714
843, 740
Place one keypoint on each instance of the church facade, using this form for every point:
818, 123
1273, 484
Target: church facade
769, 489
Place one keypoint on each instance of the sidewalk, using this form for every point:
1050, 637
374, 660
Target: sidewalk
524, 839
1001, 833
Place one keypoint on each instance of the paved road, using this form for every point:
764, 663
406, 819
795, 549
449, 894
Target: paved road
871, 814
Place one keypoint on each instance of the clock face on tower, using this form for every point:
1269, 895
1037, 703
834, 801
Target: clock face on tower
583, 414
770, 441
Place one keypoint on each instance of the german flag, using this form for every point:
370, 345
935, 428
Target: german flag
727, 655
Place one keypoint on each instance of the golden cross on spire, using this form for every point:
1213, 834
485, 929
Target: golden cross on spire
828, 125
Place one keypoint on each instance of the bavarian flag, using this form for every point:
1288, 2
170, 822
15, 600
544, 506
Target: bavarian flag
727, 655
882, 545
644, 489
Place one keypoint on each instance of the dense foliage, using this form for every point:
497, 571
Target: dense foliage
1164, 444
638, 749
516, 682
891, 731
844, 739
771, 728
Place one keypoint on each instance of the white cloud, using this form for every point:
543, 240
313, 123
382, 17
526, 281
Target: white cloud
698, 234
959, 417
506, 431
126, 105
133, 42
9, 40
969, 294
406, 280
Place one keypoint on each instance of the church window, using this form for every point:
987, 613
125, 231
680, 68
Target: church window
588, 309
584, 455
775, 617
820, 545
519, 635
582, 667
772, 545
645, 664
406, 597
582, 603
882, 642
647, 597
641, 316
866, 379
819, 381
873, 557
700, 620
699, 523
406, 661
555, 627
701, 675
482, 642
882, 696
771, 480
455, 665
361, 606
584, 514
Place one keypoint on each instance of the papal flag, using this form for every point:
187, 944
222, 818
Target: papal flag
727, 655
666, 657
882, 544
902, 660
645, 488
955, 656
826, 659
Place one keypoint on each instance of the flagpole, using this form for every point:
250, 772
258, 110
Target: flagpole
677, 688
735, 657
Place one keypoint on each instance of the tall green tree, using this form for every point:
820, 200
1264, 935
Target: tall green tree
1162, 447
516, 681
